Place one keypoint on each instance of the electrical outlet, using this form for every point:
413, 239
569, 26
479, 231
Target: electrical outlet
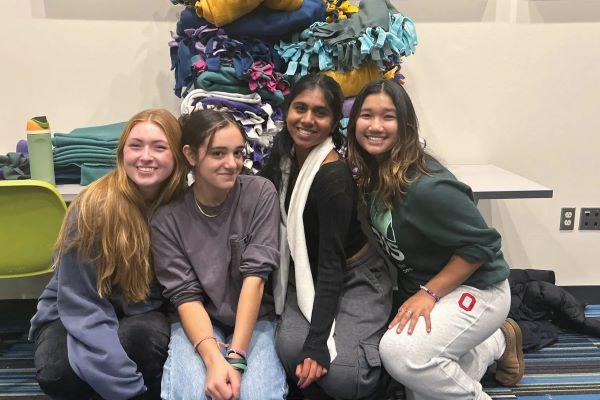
567, 219
589, 219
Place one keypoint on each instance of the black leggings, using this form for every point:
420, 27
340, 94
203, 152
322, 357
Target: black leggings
144, 337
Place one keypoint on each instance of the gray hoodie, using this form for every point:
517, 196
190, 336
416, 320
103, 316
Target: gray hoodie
94, 350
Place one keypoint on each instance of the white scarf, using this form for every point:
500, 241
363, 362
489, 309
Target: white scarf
292, 239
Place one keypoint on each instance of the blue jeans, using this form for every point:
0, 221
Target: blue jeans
184, 373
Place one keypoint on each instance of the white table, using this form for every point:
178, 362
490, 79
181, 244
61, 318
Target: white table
487, 182
69, 191
491, 182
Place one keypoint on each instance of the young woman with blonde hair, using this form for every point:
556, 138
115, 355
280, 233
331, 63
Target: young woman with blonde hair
98, 329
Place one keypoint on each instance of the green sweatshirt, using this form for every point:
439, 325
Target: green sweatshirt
437, 219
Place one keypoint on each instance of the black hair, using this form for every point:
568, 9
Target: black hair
283, 143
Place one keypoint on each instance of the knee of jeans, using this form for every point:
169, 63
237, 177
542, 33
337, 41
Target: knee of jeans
184, 372
147, 346
137, 331
53, 377
49, 379
265, 385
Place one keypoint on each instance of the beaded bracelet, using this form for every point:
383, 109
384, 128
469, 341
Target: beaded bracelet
240, 353
430, 292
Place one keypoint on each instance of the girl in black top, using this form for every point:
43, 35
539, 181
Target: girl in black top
334, 283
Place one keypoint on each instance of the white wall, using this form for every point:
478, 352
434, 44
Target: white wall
517, 84
82, 62
511, 82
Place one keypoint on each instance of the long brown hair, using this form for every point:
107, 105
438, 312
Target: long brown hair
107, 223
388, 176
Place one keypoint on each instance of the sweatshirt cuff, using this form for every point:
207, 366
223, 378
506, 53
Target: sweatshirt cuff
318, 353
179, 299
264, 275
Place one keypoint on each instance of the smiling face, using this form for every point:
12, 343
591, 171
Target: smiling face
147, 158
377, 124
218, 161
309, 120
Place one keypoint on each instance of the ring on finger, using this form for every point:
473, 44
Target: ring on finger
409, 312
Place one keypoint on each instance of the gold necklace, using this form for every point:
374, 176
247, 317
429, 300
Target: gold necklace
205, 213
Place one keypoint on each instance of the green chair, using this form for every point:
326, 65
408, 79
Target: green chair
31, 213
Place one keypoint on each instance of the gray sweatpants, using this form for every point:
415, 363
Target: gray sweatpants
363, 313
448, 362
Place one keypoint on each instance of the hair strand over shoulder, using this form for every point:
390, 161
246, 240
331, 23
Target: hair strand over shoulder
107, 224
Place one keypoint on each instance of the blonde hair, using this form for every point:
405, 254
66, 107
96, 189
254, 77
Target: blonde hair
389, 175
108, 222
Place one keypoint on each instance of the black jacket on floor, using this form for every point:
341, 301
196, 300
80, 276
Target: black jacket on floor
541, 309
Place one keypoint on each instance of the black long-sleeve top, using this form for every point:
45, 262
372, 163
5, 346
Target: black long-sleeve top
333, 234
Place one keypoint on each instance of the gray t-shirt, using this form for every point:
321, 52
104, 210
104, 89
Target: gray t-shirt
197, 258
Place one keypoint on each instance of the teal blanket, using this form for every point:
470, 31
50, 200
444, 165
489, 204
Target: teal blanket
91, 172
225, 80
101, 136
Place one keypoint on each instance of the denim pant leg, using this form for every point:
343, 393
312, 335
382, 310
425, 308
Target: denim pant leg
53, 371
184, 373
265, 377
145, 339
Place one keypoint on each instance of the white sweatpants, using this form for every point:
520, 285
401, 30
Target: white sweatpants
448, 362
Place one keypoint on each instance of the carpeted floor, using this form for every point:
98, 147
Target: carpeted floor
17, 375
567, 370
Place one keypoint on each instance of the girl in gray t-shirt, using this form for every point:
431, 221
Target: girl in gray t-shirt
214, 250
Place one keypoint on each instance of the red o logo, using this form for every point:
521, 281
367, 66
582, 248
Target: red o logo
467, 301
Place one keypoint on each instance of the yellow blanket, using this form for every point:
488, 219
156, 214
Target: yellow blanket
283, 5
353, 81
223, 12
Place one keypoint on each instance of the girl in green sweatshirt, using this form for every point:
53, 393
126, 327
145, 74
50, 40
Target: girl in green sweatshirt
452, 278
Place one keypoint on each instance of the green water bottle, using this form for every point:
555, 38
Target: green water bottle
39, 143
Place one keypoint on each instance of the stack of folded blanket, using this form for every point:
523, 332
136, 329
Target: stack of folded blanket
224, 58
242, 55
258, 119
364, 45
85, 154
